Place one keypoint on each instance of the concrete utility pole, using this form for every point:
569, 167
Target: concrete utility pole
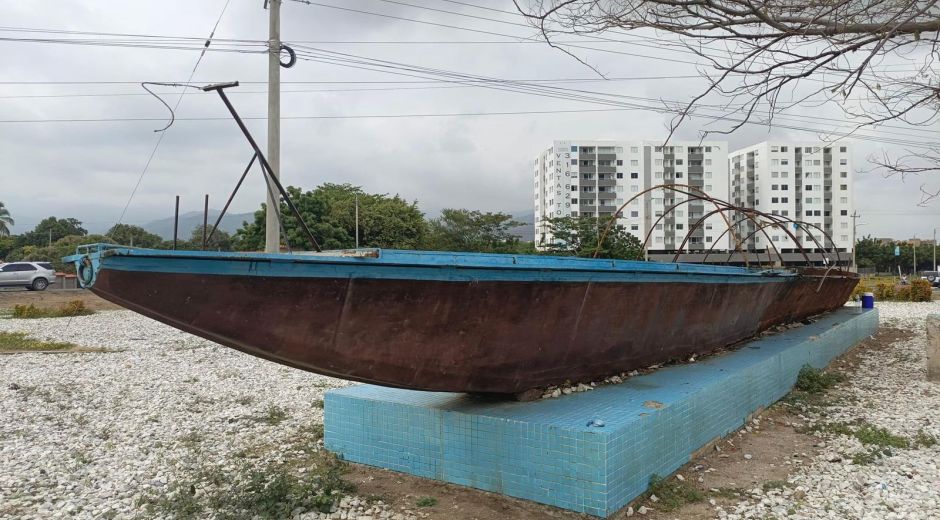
934, 267
272, 233
357, 221
855, 217
914, 249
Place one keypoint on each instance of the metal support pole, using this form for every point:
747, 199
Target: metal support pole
271, 228
176, 221
357, 221
205, 223
220, 88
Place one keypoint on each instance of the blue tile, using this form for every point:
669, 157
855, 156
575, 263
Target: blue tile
544, 451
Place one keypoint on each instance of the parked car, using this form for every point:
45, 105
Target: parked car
931, 276
35, 276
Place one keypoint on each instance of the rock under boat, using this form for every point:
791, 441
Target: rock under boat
456, 322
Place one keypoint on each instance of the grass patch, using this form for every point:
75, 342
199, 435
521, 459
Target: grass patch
775, 484
72, 308
272, 415
318, 404
672, 493
272, 490
814, 381
869, 456
924, 439
729, 493
426, 502
20, 342
881, 437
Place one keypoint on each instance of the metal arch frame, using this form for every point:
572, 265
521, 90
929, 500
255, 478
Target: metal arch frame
747, 216
673, 187
779, 221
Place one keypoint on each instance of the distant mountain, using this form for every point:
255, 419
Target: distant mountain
525, 233
193, 219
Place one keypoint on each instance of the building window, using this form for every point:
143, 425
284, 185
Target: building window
634, 227
708, 149
634, 214
843, 149
619, 189
844, 175
634, 188
775, 162
774, 200
784, 187
784, 199
843, 162
843, 187
844, 200
659, 162
658, 175
774, 187
574, 162
774, 148
808, 187
708, 187
678, 161
574, 201
844, 212
708, 175
678, 226
774, 175
845, 225
619, 174
634, 162
784, 149
678, 175
574, 188
784, 162
634, 175
619, 162
634, 149
574, 149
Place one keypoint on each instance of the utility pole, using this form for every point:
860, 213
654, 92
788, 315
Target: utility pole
934, 266
357, 221
272, 232
855, 217
914, 249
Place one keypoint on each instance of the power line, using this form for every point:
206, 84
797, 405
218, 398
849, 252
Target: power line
179, 100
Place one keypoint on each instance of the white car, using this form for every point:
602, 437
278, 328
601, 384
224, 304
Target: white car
35, 276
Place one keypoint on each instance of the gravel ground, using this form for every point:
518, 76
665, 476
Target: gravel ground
852, 480
106, 435
101, 435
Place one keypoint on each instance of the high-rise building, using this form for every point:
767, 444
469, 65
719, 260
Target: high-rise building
806, 182
598, 177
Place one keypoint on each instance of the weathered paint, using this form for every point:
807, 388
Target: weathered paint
461, 322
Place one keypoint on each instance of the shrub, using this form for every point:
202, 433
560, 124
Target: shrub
884, 292
813, 381
72, 308
902, 293
921, 291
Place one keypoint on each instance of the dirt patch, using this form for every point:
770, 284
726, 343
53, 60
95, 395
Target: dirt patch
453, 502
53, 298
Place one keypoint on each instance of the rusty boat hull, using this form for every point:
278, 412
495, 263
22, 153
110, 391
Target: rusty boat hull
457, 322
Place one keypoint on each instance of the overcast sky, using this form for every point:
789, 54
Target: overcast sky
87, 170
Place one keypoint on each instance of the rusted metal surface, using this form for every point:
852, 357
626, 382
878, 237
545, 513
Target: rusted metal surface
470, 336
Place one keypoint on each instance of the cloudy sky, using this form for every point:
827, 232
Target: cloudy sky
88, 169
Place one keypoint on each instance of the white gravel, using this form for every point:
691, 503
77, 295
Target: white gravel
91, 435
888, 390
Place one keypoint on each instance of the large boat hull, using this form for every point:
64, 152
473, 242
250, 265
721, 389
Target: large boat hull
464, 328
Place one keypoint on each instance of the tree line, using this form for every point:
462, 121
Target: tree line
385, 221
878, 254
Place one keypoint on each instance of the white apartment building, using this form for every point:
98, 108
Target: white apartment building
596, 177
809, 182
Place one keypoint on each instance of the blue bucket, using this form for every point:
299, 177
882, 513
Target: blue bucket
868, 300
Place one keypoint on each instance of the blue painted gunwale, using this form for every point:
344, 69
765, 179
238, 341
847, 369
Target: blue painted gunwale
419, 265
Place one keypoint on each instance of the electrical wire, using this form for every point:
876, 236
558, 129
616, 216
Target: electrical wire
179, 100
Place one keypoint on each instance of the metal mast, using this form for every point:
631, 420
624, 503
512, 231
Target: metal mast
272, 235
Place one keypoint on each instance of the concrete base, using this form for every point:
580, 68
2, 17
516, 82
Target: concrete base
545, 451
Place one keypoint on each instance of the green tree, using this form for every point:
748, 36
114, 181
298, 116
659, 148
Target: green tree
7, 244
329, 210
466, 230
49, 230
137, 236
220, 240
62, 247
579, 236
5, 221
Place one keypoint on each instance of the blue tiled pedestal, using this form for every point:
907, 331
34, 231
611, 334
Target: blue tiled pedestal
545, 451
